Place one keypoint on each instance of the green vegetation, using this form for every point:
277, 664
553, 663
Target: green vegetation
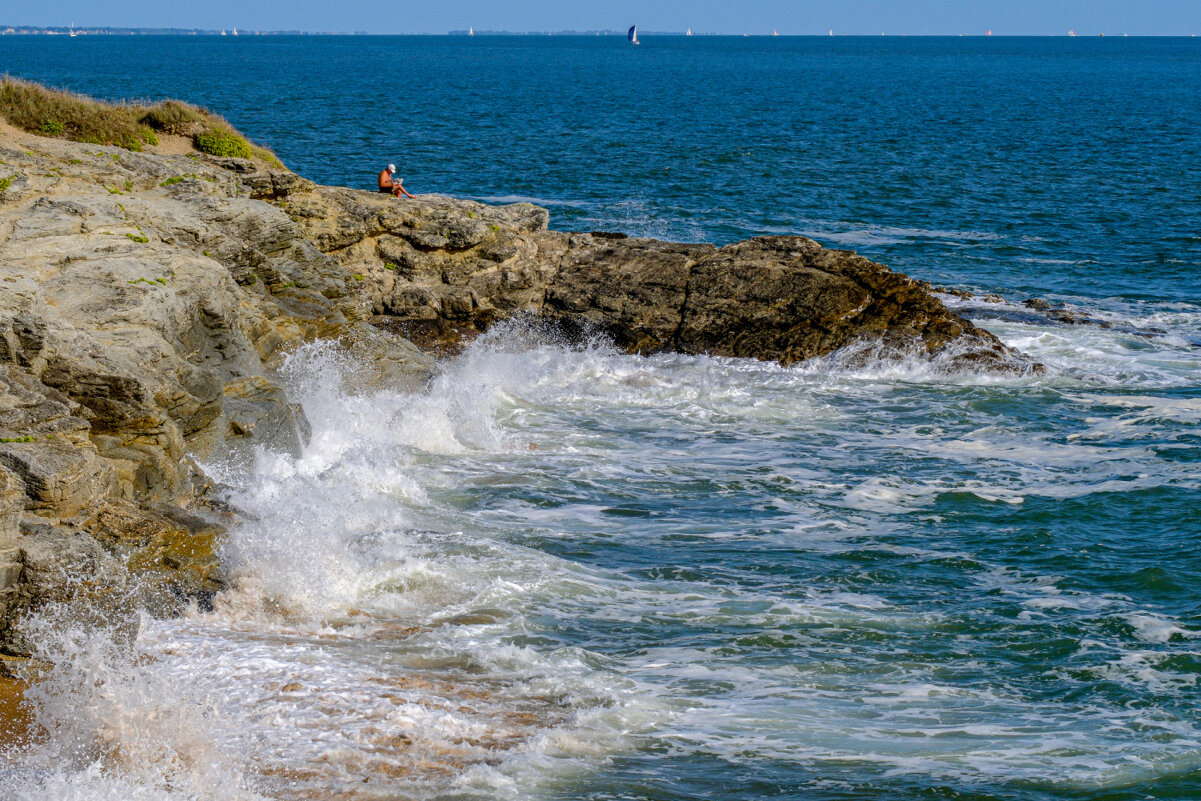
18, 439
174, 179
220, 143
207, 254
137, 238
149, 281
112, 190
66, 115
357, 277
5, 183
389, 266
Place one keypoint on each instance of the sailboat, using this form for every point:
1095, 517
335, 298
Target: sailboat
632, 35
688, 32
71, 31
470, 31
223, 32
235, 33
774, 32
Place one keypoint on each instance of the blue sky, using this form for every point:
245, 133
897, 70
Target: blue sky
1023, 17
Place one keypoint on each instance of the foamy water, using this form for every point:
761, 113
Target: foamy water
566, 572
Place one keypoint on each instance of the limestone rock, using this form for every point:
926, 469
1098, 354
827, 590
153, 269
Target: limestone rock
257, 410
788, 299
634, 289
68, 569
144, 302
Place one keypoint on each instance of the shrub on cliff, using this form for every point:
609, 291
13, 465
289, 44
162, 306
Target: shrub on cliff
51, 112
177, 118
219, 143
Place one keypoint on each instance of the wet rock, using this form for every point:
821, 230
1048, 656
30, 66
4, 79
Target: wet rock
258, 411
171, 552
70, 571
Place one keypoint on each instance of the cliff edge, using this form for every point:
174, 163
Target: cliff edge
146, 301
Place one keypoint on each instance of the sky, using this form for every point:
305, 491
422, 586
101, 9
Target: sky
897, 17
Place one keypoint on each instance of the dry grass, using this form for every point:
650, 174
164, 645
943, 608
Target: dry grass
66, 115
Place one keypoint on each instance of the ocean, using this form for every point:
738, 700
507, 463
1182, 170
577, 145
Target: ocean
563, 572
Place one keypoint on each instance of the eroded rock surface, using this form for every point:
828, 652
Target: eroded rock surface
146, 302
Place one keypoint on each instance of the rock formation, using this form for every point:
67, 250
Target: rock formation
146, 301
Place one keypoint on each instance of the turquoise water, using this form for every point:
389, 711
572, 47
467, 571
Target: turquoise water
570, 573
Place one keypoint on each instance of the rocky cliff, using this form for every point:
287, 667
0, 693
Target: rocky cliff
146, 301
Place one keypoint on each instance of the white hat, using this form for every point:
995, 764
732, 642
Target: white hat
391, 168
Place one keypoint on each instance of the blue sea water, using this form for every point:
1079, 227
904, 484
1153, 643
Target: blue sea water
572, 573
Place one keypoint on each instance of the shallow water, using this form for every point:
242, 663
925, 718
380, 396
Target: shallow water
564, 572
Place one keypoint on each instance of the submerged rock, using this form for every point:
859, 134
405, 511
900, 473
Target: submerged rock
146, 303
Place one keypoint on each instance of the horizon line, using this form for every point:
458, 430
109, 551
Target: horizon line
107, 30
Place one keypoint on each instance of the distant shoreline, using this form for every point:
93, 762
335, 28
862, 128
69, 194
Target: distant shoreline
35, 30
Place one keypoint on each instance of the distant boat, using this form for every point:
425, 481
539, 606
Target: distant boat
688, 32
223, 32
471, 31
831, 31
71, 31
632, 34
774, 32
235, 33
1072, 32
989, 33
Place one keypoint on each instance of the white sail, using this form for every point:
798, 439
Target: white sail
688, 32
632, 34
471, 31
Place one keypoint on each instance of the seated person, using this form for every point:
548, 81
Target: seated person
389, 185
